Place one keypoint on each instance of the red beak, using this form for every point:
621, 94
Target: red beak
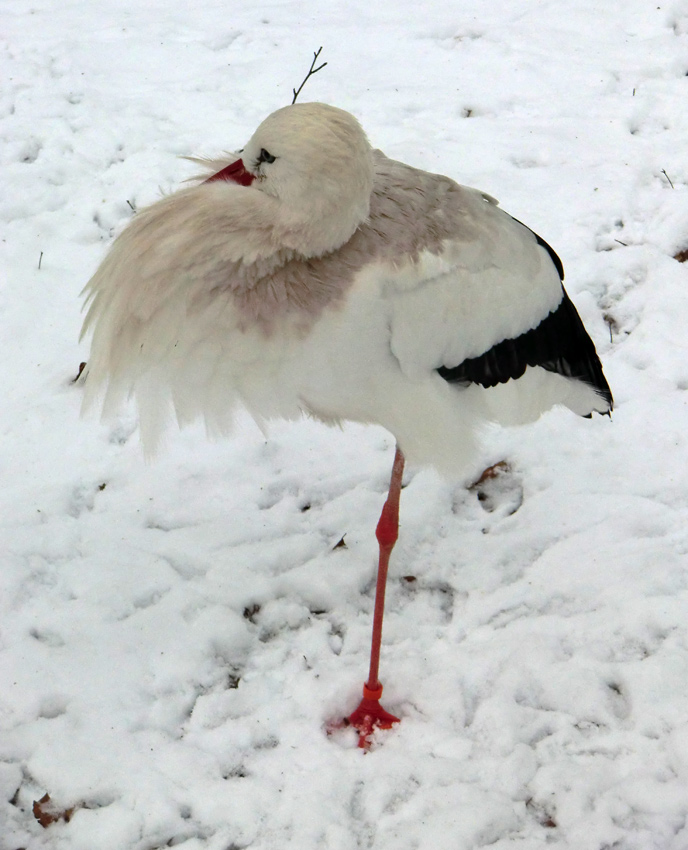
234, 172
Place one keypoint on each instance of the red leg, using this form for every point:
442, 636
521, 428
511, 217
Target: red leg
370, 714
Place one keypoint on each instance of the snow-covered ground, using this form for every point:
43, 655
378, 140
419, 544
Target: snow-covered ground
174, 638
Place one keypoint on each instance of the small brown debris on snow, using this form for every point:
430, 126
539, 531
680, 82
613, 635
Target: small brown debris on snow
46, 813
491, 472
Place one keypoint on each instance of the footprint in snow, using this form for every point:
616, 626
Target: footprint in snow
499, 490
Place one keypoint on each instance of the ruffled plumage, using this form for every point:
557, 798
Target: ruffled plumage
339, 283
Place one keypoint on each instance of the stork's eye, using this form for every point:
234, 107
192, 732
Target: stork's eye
264, 156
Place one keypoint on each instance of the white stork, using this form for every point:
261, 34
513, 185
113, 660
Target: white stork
312, 274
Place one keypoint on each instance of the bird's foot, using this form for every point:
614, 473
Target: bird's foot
370, 715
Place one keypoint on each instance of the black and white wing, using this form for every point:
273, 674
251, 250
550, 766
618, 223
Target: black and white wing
479, 298
559, 343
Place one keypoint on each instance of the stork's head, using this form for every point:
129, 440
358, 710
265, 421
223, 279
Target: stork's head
316, 162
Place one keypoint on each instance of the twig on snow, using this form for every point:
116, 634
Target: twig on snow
668, 178
312, 70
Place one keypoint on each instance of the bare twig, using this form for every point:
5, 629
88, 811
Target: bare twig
313, 70
668, 178
40, 260
612, 324
82, 366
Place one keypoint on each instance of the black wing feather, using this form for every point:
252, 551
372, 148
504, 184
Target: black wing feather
559, 343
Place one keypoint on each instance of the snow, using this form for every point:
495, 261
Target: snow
175, 637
